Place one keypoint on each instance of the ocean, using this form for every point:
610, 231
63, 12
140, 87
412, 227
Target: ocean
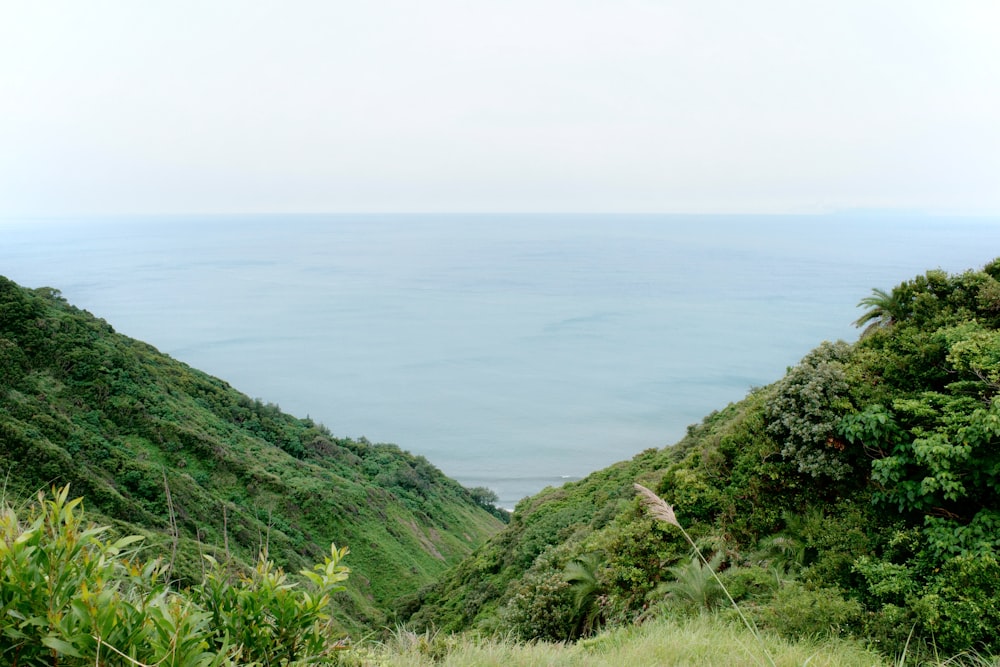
513, 351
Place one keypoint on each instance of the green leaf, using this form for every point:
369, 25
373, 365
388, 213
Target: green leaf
125, 541
61, 646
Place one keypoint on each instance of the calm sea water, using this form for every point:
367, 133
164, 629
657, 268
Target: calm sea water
513, 351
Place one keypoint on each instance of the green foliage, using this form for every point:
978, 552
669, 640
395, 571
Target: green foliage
583, 518
884, 308
975, 350
694, 585
65, 588
961, 605
804, 414
886, 581
636, 553
541, 607
582, 575
874, 427
798, 611
267, 617
791, 549
946, 537
944, 464
71, 596
488, 499
956, 603
753, 584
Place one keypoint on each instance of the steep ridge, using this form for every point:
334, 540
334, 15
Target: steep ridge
160, 449
859, 494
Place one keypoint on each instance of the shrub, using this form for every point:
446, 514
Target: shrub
694, 586
799, 612
72, 597
266, 616
805, 412
961, 607
752, 583
541, 607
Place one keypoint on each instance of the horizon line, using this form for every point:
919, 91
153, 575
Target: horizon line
846, 212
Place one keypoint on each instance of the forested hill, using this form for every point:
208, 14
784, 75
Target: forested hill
859, 494
161, 449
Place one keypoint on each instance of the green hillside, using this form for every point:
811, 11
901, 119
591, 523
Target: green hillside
160, 449
856, 496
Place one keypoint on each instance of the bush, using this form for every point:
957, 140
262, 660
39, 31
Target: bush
70, 596
541, 607
752, 583
694, 587
961, 607
804, 414
799, 612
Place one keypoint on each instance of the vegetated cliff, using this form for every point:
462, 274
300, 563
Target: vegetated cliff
859, 494
164, 450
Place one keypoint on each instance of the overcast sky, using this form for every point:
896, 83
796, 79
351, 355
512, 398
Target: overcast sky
498, 105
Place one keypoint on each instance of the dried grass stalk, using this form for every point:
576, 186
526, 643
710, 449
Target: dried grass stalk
657, 506
662, 510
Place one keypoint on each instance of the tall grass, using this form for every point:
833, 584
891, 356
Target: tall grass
706, 640
701, 640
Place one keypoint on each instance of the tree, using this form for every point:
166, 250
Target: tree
488, 499
884, 310
695, 583
805, 411
484, 496
581, 575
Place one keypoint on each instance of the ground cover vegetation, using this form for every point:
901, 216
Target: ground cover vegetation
855, 497
848, 508
694, 640
72, 594
164, 451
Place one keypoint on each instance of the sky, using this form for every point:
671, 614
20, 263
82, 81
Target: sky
703, 106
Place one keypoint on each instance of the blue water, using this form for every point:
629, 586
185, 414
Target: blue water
513, 351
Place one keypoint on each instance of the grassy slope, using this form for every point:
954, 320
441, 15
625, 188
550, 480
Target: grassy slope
703, 640
122, 423
596, 514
